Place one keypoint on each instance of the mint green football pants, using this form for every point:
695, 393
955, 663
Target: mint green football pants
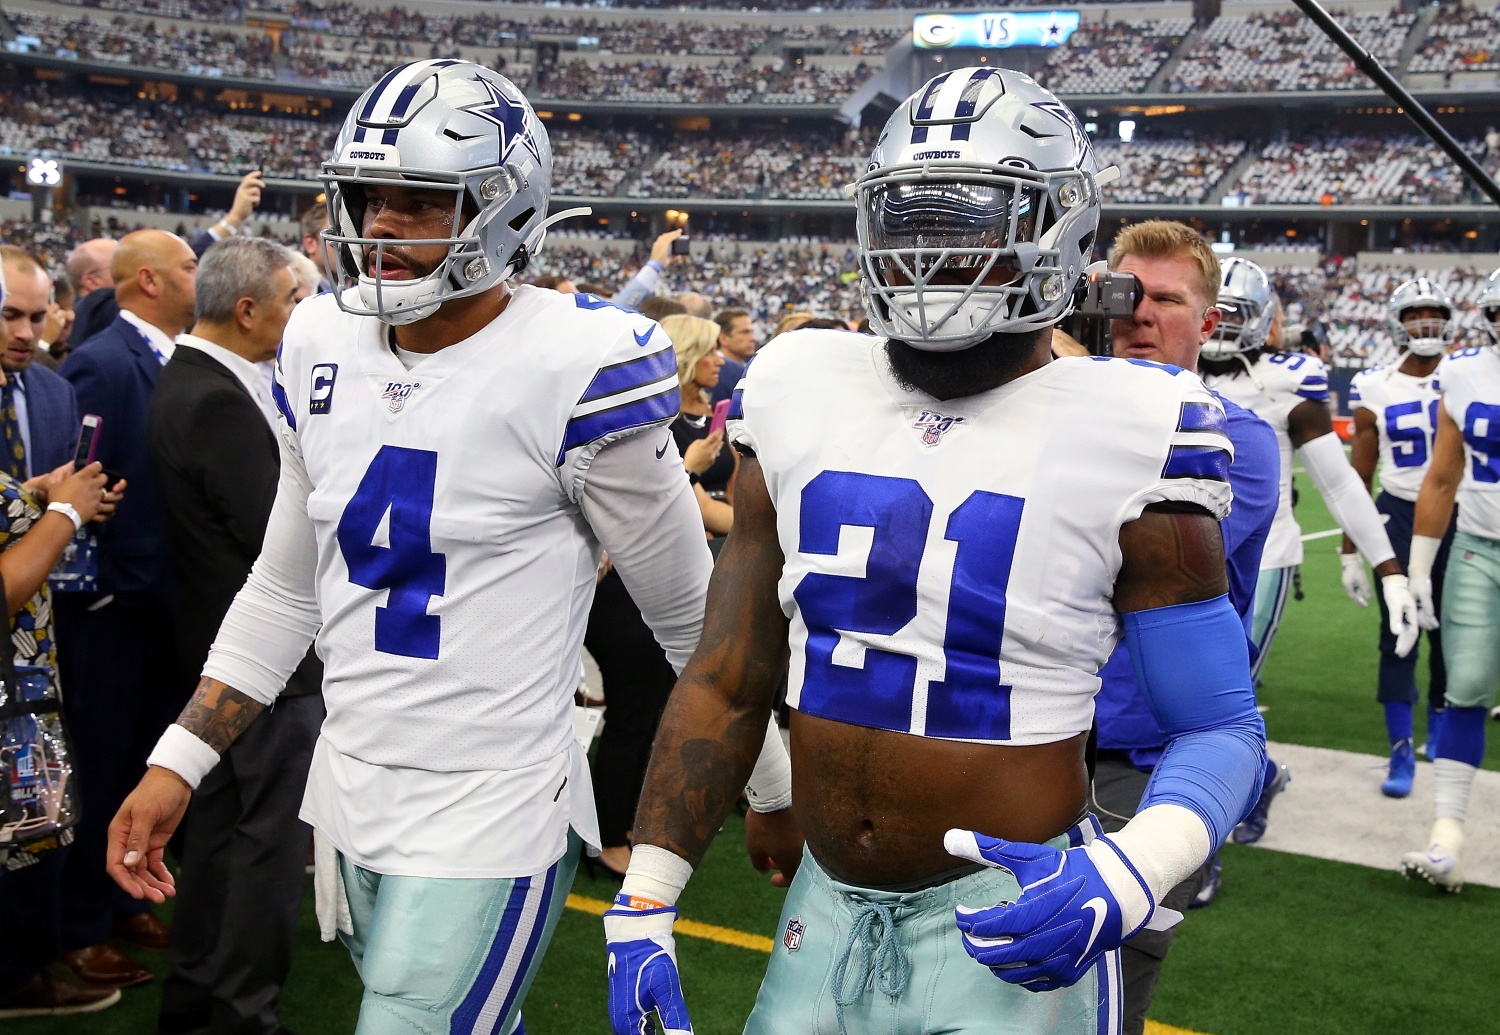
905, 971
1471, 621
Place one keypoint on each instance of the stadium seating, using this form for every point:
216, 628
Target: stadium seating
757, 166
1400, 170
1274, 52
1460, 39
739, 82
1113, 56
1175, 171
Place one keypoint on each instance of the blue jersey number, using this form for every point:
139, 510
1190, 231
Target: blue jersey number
1482, 433
399, 482
1408, 444
1291, 360
970, 702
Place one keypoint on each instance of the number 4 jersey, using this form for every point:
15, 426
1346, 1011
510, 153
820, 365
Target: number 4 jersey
1470, 383
950, 565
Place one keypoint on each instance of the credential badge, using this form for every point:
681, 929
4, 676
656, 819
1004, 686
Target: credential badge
792, 939
934, 425
397, 393
320, 398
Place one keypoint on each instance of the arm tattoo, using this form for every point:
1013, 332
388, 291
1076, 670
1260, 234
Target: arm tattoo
218, 713
1169, 558
715, 722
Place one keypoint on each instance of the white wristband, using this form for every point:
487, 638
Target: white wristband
655, 875
1424, 551
68, 511
184, 754
770, 787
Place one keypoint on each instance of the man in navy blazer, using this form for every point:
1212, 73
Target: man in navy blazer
116, 647
46, 408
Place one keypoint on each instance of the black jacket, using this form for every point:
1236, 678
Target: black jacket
92, 313
217, 463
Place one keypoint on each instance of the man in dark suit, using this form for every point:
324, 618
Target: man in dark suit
46, 410
212, 428
116, 649
94, 306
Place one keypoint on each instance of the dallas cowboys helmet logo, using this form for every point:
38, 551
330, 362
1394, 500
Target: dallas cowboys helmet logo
506, 114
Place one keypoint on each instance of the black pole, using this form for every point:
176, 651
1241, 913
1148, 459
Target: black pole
1398, 93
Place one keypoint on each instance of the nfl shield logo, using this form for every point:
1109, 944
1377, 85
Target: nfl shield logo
933, 425
398, 392
792, 939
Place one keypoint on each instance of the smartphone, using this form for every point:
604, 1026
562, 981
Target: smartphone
721, 414
88, 441
680, 245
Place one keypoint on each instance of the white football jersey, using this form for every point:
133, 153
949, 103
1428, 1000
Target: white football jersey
454, 567
1405, 409
950, 565
1470, 382
1275, 385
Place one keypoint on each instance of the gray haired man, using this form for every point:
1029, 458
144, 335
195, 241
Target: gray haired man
214, 445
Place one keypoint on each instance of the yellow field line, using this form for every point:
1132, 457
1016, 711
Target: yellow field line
759, 943
691, 928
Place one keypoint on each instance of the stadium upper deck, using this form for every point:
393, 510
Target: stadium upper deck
813, 62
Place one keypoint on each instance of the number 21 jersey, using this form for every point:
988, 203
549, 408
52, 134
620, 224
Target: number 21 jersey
950, 566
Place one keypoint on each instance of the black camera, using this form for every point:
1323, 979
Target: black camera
1101, 296
680, 245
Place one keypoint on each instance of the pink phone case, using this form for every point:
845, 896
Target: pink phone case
721, 415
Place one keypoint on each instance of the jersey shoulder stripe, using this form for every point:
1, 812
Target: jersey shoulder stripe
626, 416
629, 374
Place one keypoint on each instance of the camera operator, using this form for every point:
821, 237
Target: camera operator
1174, 314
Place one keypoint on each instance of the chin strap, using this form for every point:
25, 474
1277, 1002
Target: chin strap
1250, 370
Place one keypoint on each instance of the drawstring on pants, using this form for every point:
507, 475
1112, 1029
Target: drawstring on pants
882, 961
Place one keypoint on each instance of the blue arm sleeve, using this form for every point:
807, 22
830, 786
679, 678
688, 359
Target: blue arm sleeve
641, 286
1191, 664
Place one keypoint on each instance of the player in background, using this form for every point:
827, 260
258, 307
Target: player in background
947, 529
1180, 277
1289, 390
1466, 465
455, 453
1395, 419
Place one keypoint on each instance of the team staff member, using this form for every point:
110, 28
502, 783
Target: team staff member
1466, 464
1180, 275
116, 647
1395, 411
211, 427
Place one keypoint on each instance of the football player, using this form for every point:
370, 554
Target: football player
1466, 464
1179, 275
1395, 418
1289, 390
455, 452
948, 529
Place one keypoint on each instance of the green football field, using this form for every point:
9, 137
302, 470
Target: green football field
1293, 945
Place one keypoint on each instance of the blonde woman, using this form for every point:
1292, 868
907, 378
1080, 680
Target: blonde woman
710, 466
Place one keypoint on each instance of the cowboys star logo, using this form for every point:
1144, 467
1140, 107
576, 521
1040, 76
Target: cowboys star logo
505, 113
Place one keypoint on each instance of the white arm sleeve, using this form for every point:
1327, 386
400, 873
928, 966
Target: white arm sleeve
770, 787
642, 509
1348, 500
265, 635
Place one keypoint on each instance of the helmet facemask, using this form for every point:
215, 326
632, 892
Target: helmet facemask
1428, 336
465, 270
952, 253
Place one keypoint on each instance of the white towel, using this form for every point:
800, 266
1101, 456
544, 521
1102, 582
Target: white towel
330, 902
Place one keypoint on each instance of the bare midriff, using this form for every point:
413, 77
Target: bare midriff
874, 804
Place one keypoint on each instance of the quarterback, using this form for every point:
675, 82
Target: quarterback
946, 530
1395, 418
1466, 465
454, 454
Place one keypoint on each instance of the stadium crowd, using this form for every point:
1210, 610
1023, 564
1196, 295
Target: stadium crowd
1275, 52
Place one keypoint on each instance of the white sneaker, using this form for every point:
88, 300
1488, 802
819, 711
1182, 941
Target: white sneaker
1438, 866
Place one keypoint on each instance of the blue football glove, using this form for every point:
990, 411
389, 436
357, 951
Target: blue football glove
1066, 917
643, 969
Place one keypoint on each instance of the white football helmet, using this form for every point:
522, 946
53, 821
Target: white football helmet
1489, 306
1247, 305
452, 126
979, 171
1431, 336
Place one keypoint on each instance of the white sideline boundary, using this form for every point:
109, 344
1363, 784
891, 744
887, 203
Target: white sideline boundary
1333, 809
